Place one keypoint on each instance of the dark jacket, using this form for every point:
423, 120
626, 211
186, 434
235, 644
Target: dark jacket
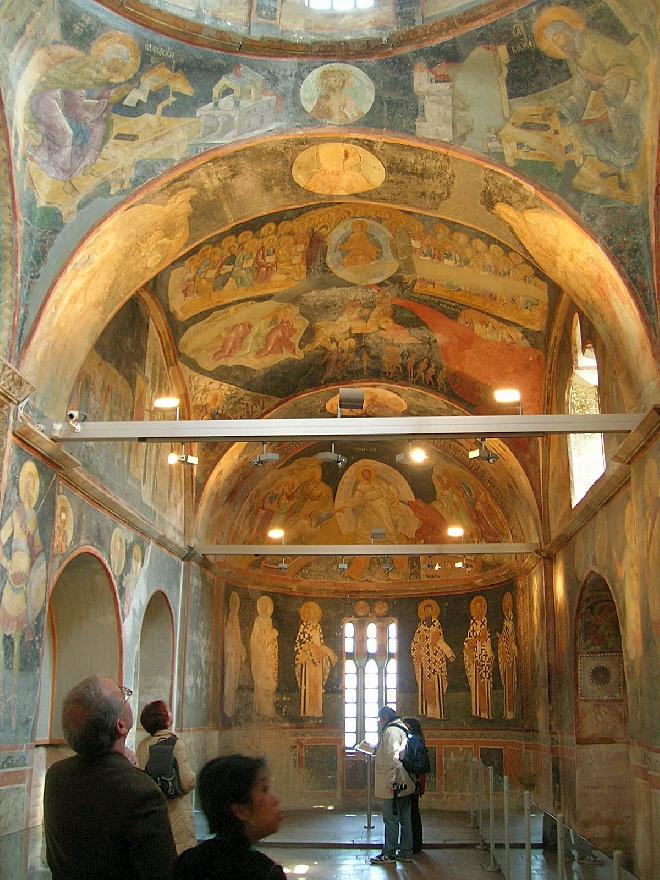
106, 819
225, 858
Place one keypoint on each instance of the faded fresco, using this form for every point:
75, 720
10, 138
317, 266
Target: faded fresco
26, 525
560, 94
296, 651
198, 684
112, 386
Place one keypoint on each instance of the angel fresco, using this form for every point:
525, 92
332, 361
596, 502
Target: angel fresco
68, 95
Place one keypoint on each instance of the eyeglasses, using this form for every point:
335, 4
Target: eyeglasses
127, 693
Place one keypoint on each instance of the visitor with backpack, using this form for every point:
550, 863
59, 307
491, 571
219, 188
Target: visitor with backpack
416, 736
163, 757
395, 787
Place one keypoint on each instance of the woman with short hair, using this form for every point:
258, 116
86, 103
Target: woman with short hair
156, 718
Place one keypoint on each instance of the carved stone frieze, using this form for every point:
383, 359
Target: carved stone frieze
13, 386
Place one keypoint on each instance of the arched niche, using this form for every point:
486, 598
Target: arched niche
156, 653
83, 636
603, 796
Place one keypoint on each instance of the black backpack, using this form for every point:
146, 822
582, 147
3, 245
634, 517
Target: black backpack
163, 768
414, 755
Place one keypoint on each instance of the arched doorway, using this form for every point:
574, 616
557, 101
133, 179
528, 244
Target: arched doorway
156, 653
83, 636
603, 794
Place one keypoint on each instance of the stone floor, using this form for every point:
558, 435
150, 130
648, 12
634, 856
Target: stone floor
322, 844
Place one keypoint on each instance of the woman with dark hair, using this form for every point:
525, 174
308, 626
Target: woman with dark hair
156, 718
415, 727
241, 809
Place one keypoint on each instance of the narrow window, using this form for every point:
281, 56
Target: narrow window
370, 676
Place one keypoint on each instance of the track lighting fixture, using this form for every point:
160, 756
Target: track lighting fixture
483, 453
332, 457
264, 457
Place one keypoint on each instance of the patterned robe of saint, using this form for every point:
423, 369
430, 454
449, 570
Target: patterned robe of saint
430, 653
234, 656
264, 658
478, 658
507, 656
313, 661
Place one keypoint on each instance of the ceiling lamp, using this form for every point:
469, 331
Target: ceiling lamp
182, 457
412, 455
332, 457
483, 453
510, 396
264, 457
455, 531
168, 402
276, 533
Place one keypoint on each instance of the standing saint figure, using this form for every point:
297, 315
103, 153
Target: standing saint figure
478, 658
507, 656
313, 661
430, 653
234, 656
24, 587
263, 658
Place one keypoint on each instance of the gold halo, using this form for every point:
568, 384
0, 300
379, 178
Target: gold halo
310, 612
29, 469
265, 605
105, 44
555, 13
422, 605
482, 604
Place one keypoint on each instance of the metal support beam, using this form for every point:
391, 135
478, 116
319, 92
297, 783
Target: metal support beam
364, 549
418, 428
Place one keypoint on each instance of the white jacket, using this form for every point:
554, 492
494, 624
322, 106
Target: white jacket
388, 766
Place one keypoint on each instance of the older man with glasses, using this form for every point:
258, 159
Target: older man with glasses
103, 817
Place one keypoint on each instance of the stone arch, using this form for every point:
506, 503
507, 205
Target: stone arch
204, 195
603, 794
155, 656
82, 635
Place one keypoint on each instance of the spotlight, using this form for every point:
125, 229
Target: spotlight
264, 457
464, 564
283, 566
388, 564
332, 457
182, 457
483, 453
276, 533
412, 455
507, 395
75, 417
455, 531
377, 535
343, 565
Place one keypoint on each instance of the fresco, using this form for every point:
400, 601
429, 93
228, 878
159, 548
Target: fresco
197, 684
296, 657
26, 524
337, 169
337, 94
111, 386
559, 93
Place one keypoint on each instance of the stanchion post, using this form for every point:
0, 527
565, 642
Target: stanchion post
492, 865
472, 816
528, 834
560, 847
507, 850
480, 783
617, 858
370, 825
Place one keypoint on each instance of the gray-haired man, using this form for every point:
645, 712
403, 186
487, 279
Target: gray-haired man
103, 817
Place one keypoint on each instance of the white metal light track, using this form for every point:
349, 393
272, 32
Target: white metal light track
364, 549
232, 430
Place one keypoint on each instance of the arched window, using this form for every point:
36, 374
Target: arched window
339, 5
585, 451
370, 676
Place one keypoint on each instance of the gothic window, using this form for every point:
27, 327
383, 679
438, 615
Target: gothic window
585, 451
370, 676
